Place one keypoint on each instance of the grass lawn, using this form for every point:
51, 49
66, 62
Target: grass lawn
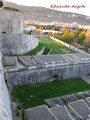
55, 46
36, 50
34, 95
48, 44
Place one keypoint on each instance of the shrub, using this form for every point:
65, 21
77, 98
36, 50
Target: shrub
13, 9
1, 3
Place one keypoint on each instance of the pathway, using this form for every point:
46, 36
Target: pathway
68, 45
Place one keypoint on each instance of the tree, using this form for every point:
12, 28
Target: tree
71, 35
1, 3
88, 33
63, 29
67, 36
50, 34
27, 32
55, 27
56, 35
81, 37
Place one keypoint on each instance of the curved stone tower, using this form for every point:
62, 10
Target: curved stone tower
12, 39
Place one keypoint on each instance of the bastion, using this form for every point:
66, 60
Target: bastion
12, 39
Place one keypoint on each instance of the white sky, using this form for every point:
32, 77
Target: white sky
48, 3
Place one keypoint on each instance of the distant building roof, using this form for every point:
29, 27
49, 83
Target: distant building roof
52, 31
30, 28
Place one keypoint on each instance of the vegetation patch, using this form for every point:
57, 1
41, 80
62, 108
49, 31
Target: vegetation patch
13, 9
27, 32
34, 95
46, 51
9, 65
48, 44
56, 47
36, 50
1, 3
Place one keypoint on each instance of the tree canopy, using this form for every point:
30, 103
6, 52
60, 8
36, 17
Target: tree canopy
1, 3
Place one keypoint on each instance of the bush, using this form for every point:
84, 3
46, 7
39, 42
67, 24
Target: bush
1, 3
81, 37
17, 113
27, 32
9, 8
19, 107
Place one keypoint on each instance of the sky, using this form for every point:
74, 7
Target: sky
69, 5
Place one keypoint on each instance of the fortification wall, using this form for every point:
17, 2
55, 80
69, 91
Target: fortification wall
12, 39
11, 21
30, 76
5, 110
17, 43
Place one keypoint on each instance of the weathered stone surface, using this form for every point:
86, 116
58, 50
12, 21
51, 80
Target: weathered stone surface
5, 110
36, 75
17, 43
12, 39
11, 21
39, 113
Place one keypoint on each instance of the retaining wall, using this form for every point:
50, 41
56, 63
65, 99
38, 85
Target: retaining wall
35, 75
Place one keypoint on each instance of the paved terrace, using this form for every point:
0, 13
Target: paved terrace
80, 109
39, 113
9, 61
43, 60
61, 112
77, 110
54, 102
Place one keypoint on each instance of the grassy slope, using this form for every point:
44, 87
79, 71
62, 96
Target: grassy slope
47, 44
36, 50
34, 95
56, 47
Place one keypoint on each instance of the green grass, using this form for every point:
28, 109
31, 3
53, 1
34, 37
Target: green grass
55, 46
46, 51
12, 65
36, 50
34, 95
48, 44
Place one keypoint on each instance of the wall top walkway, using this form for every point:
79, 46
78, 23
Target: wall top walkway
68, 45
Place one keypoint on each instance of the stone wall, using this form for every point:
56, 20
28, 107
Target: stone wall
17, 43
5, 110
11, 21
12, 39
30, 76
